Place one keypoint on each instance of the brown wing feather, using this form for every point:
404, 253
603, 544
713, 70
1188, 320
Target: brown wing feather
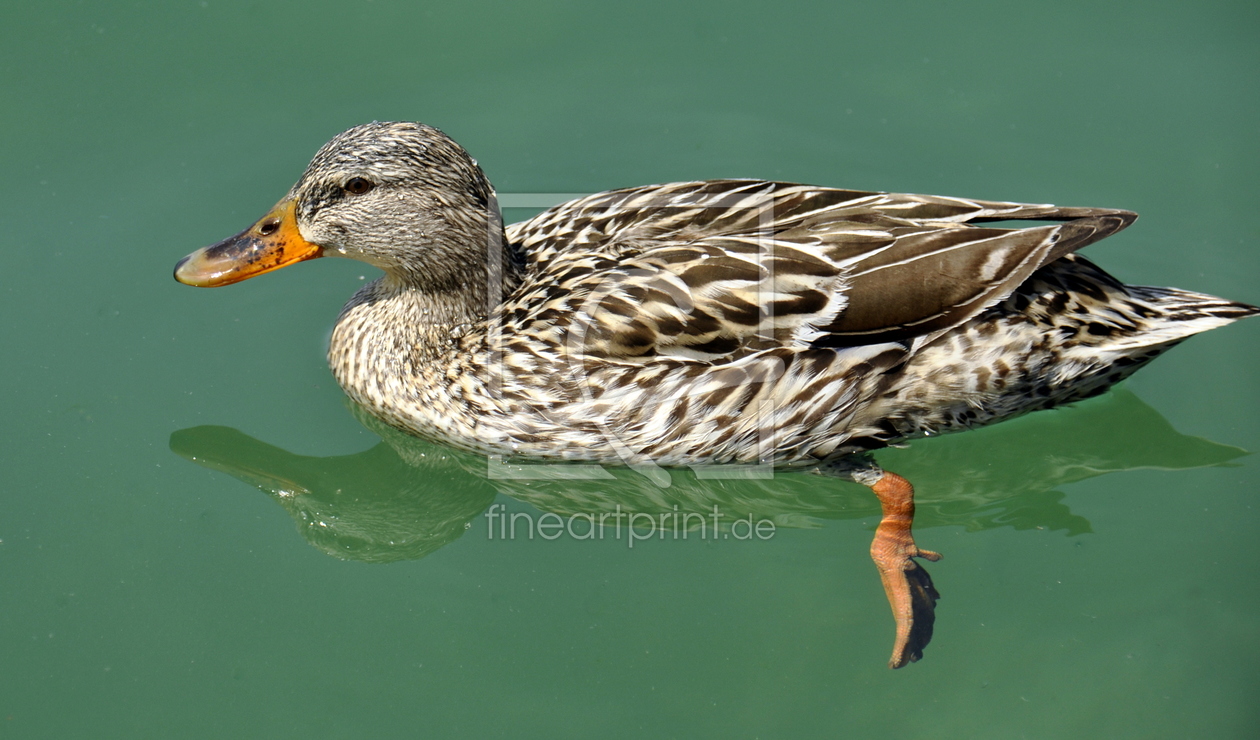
717, 269
933, 279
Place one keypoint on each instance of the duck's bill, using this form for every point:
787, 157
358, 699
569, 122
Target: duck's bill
270, 244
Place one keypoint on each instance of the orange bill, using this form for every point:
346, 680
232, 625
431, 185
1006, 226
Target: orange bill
268, 245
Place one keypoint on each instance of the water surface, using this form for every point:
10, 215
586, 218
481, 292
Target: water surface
1096, 577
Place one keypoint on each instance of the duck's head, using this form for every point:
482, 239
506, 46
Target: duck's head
401, 196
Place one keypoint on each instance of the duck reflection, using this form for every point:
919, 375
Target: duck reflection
405, 498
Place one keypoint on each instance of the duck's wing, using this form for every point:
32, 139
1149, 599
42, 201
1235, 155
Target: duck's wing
717, 269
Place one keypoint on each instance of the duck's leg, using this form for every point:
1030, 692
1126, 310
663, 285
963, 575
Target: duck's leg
906, 583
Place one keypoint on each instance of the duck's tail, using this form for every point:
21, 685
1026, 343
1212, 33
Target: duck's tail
1179, 314
1111, 329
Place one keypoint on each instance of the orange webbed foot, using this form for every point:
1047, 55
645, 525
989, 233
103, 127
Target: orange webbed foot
906, 583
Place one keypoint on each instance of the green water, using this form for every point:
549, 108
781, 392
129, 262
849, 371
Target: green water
1098, 574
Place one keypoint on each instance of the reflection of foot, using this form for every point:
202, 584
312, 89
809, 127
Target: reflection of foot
908, 586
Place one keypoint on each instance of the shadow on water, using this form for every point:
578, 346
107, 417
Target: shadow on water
405, 498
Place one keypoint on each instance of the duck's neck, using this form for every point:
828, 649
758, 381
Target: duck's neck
414, 316
465, 292
466, 265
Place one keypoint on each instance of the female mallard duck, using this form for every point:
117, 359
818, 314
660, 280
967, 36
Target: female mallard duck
729, 321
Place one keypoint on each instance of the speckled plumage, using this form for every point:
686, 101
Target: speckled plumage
725, 321
748, 321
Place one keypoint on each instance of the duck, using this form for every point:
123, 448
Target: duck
717, 322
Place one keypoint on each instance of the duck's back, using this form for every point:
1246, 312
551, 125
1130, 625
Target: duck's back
708, 270
888, 315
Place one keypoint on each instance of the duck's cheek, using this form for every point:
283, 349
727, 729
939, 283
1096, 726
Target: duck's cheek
273, 242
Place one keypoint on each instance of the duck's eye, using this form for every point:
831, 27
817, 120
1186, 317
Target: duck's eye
357, 186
